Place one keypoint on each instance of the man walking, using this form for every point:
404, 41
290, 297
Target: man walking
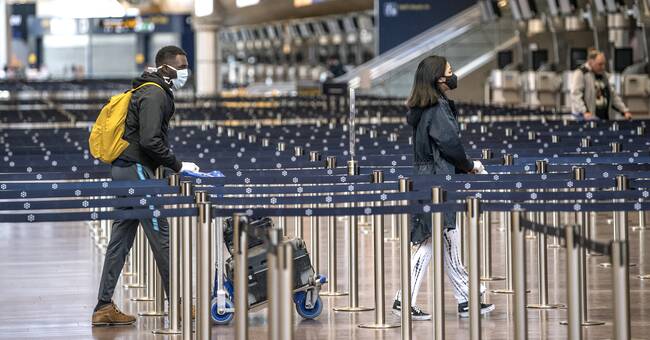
146, 127
591, 95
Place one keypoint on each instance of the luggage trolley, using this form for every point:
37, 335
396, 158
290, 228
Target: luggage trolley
307, 283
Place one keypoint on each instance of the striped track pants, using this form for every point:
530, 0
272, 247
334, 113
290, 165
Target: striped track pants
456, 273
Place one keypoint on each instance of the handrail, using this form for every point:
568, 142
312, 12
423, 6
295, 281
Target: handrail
415, 47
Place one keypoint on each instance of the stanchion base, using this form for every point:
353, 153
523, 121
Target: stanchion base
493, 278
391, 239
333, 294
142, 299
554, 246
586, 323
379, 326
128, 273
594, 254
133, 286
609, 265
640, 228
644, 277
506, 291
531, 237
167, 331
552, 306
352, 309
152, 313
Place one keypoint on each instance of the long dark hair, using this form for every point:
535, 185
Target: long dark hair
424, 92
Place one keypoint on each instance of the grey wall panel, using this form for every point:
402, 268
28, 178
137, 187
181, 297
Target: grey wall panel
113, 56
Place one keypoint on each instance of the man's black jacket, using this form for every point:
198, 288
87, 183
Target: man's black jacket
147, 124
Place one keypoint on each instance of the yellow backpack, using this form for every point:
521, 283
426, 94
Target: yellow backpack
106, 143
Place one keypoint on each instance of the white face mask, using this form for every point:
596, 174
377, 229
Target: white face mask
181, 78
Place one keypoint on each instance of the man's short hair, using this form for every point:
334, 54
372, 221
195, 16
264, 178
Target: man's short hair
593, 53
168, 54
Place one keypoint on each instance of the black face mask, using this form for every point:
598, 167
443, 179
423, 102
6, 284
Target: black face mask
452, 82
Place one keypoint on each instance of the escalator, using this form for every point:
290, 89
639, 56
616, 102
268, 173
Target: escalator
465, 40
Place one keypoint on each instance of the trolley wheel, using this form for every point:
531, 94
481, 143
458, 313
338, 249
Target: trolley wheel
300, 299
221, 319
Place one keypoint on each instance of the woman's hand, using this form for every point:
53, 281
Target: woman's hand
478, 167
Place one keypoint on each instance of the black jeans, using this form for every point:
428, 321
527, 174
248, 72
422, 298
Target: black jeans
123, 235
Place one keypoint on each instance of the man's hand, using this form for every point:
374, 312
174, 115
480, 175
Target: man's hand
588, 115
628, 115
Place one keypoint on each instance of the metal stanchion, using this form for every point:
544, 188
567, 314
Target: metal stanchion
186, 265
473, 216
405, 185
542, 268
437, 270
314, 226
137, 280
173, 308
353, 261
330, 164
486, 237
273, 287
148, 270
579, 175
240, 254
285, 289
642, 224
573, 284
621, 290
518, 245
378, 229
203, 282
555, 222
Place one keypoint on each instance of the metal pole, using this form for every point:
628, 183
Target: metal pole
509, 256
241, 275
330, 164
573, 284
273, 288
147, 276
186, 265
486, 237
437, 271
174, 270
473, 216
518, 245
542, 267
136, 269
314, 226
405, 185
353, 261
285, 266
621, 290
378, 234
642, 224
203, 284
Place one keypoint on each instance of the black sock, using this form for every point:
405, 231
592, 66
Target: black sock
101, 304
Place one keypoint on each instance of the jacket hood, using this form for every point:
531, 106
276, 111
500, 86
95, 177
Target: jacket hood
153, 77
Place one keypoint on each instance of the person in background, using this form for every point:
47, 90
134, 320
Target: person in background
592, 97
146, 126
438, 150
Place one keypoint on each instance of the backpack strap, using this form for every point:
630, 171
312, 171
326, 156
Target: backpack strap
145, 84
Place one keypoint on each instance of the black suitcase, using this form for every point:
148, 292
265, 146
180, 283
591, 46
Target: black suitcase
258, 270
256, 226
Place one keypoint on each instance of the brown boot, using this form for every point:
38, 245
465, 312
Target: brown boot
109, 315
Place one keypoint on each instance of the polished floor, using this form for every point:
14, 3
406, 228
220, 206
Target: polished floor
49, 277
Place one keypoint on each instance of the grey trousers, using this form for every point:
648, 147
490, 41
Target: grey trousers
123, 235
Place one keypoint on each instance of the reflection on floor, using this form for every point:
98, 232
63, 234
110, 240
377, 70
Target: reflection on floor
50, 272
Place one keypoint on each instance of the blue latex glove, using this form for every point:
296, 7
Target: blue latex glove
215, 173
